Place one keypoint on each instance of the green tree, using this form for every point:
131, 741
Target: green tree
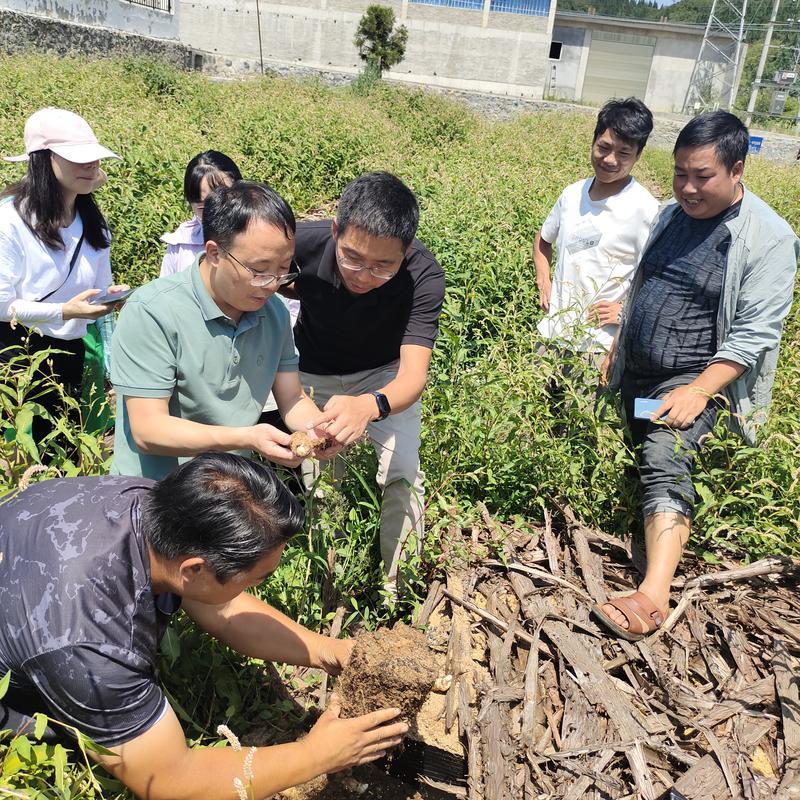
379, 43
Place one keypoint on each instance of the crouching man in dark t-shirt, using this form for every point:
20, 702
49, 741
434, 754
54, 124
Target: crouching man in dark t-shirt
92, 568
701, 327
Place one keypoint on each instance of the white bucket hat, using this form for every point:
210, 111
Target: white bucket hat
63, 132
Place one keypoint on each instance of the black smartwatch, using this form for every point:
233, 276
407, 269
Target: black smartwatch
384, 409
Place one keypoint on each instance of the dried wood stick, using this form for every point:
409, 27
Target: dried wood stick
538, 573
766, 566
531, 687
492, 524
336, 629
496, 621
474, 766
431, 603
494, 761
551, 545
591, 566
592, 775
594, 534
787, 684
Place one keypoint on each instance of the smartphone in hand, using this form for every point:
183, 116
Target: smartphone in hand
110, 297
645, 407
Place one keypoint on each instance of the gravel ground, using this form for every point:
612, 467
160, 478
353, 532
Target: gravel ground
776, 147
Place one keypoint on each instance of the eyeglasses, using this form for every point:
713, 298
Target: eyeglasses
381, 273
261, 279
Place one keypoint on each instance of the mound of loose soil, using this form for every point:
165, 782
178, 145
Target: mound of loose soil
388, 669
362, 783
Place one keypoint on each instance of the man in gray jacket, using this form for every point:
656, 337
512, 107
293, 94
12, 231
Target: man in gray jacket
702, 326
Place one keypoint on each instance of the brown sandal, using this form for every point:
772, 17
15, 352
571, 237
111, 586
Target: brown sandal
643, 616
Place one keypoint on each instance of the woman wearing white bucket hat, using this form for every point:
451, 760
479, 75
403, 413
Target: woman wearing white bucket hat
54, 249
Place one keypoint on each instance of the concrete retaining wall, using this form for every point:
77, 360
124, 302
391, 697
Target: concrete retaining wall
24, 32
115, 14
447, 47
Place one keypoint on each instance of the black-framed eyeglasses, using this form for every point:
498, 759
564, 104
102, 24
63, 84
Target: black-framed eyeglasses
261, 279
381, 273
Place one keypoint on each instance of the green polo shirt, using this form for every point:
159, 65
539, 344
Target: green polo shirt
173, 341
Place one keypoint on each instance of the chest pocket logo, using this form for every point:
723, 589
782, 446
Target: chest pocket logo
582, 240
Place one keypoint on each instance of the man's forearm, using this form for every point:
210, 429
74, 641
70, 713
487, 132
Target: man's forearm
542, 258
299, 413
256, 629
208, 773
715, 377
165, 435
404, 390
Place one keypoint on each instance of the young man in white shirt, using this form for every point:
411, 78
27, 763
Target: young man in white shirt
599, 226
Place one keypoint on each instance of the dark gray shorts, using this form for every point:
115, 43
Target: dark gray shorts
665, 455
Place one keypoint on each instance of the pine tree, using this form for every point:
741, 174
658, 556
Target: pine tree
379, 43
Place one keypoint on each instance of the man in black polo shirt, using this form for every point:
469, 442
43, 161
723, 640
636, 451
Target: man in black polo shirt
370, 298
91, 569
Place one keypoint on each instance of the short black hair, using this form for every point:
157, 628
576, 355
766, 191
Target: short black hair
381, 205
724, 130
630, 119
230, 210
221, 507
212, 165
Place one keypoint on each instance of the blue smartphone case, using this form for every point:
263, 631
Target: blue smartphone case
645, 407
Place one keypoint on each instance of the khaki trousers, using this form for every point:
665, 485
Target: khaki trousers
396, 440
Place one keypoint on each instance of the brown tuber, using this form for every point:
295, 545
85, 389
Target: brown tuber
305, 446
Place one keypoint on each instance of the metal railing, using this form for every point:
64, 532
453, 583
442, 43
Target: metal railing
156, 5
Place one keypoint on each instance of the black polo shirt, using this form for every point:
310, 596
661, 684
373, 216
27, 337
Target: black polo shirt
338, 333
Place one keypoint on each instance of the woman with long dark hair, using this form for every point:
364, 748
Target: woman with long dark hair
54, 250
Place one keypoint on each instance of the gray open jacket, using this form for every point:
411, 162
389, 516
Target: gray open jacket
756, 296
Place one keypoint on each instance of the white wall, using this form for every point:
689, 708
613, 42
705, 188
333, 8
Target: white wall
446, 46
674, 55
116, 14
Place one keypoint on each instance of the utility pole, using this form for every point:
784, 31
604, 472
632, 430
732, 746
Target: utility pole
717, 64
260, 49
751, 106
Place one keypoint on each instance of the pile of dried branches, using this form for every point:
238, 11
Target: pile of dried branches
550, 705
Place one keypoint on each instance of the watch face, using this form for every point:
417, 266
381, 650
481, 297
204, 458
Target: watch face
383, 404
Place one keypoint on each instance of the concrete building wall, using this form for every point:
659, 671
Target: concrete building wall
564, 73
114, 14
676, 49
448, 47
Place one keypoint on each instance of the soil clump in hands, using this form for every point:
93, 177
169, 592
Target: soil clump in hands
388, 669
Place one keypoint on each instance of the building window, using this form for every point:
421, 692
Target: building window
474, 5
555, 51
157, 5
538, 8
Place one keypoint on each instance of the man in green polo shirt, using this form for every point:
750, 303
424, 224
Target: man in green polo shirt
196, 354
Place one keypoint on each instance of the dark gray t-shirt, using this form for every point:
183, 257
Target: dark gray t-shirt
671, 326
79, 624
